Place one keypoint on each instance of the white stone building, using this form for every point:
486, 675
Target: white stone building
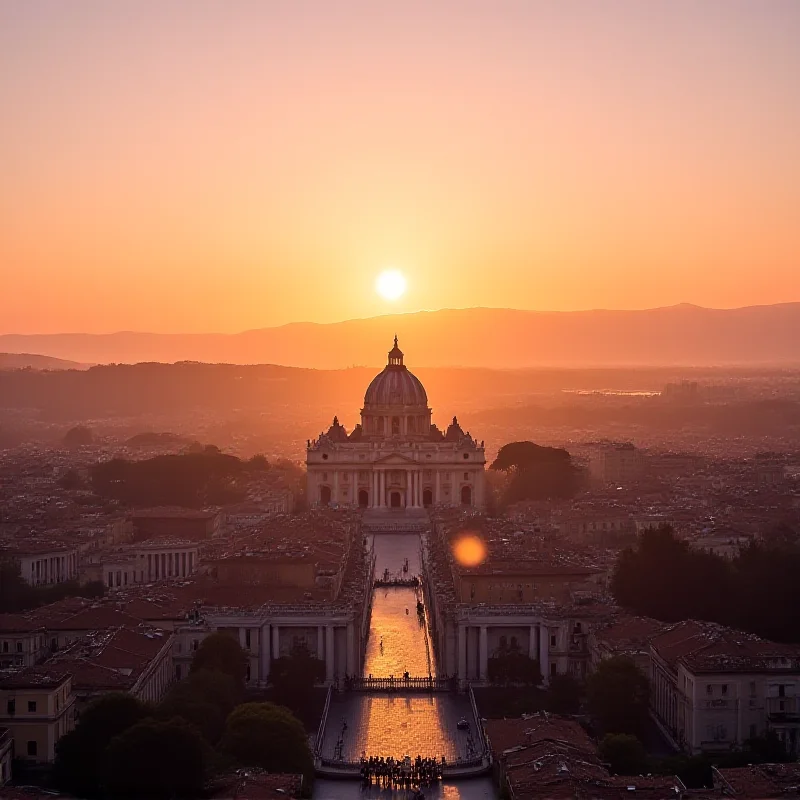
395, 458
713, 688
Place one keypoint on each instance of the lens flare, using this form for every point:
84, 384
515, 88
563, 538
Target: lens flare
469, 550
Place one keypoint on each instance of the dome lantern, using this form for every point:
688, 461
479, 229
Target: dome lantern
395, 355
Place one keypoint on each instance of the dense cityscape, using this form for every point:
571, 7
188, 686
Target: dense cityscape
399, 400
546, 621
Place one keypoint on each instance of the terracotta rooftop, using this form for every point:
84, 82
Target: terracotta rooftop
40, 677
759, 781
254, 784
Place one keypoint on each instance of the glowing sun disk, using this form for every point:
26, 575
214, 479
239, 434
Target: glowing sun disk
390, 284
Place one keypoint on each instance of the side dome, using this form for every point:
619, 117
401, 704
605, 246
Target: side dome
396, 386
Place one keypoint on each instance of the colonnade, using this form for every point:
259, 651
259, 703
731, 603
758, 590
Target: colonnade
269, 647
412, 490
538, 648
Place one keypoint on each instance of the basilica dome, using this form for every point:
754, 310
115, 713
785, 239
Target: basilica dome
395, 386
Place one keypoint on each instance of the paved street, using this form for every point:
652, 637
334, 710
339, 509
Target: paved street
474, 789
403, 635
383, 724
396, 725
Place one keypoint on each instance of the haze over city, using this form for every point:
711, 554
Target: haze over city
399, 400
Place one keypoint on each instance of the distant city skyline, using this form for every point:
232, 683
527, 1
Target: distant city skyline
208, 167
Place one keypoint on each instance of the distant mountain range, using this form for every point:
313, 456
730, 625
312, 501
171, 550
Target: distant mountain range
32, 361
473, 337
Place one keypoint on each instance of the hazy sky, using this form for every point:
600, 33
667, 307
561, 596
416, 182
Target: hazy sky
188, 166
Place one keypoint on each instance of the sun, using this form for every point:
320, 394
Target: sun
390, 284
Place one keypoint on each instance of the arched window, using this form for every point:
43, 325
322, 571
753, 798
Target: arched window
411, 425
380, 425
395, 426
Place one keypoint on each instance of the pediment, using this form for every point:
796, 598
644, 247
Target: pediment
396, 458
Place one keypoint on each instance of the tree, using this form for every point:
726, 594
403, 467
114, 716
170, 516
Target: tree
259, 463
624, 753
221, 652
536, 472
80, 753
70, 480
268, 736
618, 693
294, 676
79, 436
509, 665
156, 760
204, 699
564, 694
16, 594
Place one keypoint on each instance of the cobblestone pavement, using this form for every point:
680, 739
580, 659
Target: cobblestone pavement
391, 550
398, 725
474, 789
403, 637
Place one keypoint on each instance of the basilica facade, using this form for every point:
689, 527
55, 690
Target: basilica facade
396, 458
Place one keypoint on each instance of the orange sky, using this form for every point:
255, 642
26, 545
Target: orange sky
197, 166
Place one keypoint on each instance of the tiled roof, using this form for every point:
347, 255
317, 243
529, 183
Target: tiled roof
759, 781
40, 677
254, 784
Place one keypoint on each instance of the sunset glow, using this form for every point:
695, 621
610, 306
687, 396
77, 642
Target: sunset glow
227, 166
390, 284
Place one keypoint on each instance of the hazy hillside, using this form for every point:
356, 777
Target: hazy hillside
478, 337
32, 361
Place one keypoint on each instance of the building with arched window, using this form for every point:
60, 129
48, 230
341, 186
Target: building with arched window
396, 458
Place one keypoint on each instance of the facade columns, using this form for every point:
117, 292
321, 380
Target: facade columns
320, 641
437, 493
544, 653
533, 636
264, 659
462, 652
354, 497
335, 486
484, 652
419, 489
243, 638
276, 642
329, 661
383, 488
351, 649
409, 489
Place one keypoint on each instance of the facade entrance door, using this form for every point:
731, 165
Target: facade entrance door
395, 500
325, 495
466, 496
427, 498
363, 498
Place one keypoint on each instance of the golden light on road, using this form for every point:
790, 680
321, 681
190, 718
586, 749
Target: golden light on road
469, 550
390, 284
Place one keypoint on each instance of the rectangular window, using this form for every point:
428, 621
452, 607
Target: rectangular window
552, 640
247, 638
11, 708
709, 689
752, 688
19, 650
5, 647
31, 706
724, 688
466, 476
781, 690
33, 748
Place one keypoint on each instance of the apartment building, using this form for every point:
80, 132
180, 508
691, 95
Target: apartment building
713, 688
37, 706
